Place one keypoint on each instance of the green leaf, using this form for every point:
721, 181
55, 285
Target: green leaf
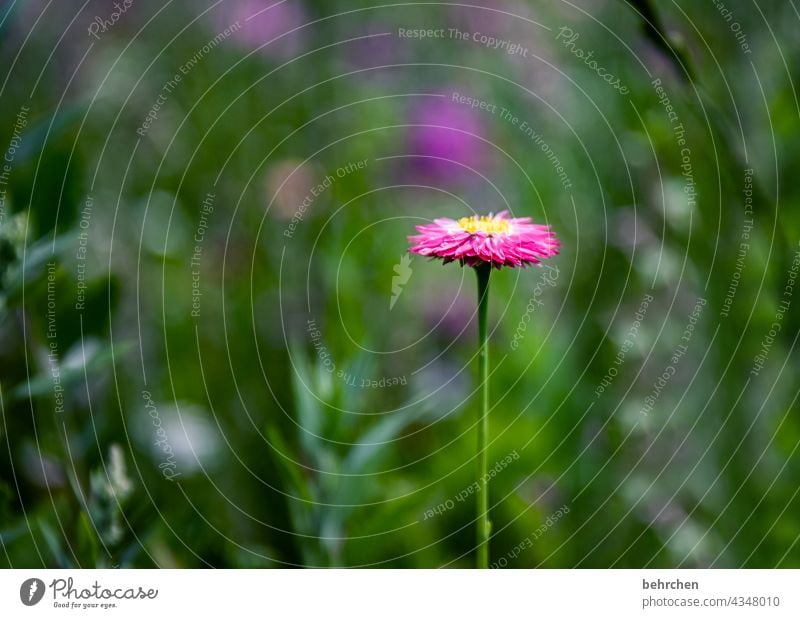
293, 471
377, 439
42, 384
37, 255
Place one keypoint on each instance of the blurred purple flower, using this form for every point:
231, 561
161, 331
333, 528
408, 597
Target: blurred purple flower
445, 131
262, 21
472, 18
372, 45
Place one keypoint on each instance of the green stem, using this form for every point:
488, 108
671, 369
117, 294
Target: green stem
484, 525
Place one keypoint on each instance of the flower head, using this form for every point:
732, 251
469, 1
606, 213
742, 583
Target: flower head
494, 239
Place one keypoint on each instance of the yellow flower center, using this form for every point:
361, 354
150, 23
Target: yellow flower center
489, 225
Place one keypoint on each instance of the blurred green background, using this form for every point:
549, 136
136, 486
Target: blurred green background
204, 212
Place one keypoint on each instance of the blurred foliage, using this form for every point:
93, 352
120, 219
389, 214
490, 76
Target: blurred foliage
293, 418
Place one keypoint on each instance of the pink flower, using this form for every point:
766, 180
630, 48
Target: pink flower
496, 239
